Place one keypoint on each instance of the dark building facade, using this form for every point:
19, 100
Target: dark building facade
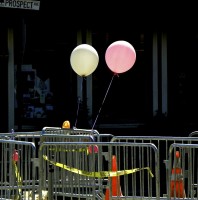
39, 87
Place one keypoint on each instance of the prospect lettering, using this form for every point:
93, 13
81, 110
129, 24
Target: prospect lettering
22, 4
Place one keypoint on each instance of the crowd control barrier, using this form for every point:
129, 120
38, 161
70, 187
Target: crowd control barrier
18, 175
76, 172
60, 163
163, 143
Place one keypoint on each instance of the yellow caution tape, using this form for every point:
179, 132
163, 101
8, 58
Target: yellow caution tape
18, 177
101, 174
70, 150
88, 150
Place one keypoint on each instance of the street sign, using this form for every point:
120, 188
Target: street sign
20, 4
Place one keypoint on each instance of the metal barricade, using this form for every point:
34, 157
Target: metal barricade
33, 136
183, 179
163, 144
18, 175
84, 170
46, 178
194, 133
57, 130
50, 134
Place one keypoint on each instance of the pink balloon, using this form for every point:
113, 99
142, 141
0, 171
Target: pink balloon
120, 56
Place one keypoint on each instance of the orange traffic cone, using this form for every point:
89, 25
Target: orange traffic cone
115, 187
177, 181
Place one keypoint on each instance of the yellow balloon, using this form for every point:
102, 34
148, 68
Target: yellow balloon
84, 59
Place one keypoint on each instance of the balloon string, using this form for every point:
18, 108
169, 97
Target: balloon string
78, 106
103, 101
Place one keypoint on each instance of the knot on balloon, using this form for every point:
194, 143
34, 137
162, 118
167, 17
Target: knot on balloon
116, 74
